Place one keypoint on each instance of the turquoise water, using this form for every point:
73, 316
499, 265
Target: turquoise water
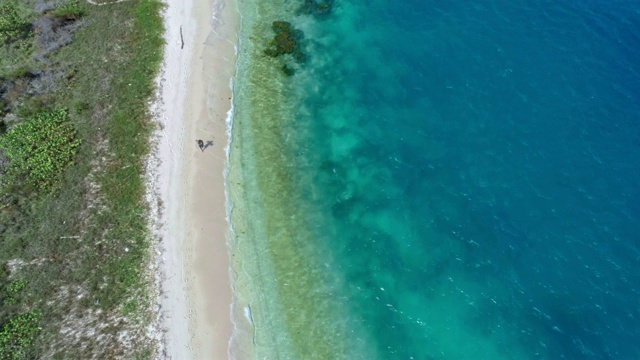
439, 180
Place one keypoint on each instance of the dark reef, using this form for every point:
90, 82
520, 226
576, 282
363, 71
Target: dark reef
288, 70
287, 41
317, 8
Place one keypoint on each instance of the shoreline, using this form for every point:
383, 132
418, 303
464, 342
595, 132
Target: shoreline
188, 185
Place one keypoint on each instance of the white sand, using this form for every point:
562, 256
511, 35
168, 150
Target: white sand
192, 253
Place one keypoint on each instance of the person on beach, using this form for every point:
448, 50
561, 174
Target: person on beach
200, 144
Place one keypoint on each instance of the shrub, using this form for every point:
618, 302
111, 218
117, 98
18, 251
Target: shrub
11, 24
38, 149
70, 10
17, 335
15, 287
12, 290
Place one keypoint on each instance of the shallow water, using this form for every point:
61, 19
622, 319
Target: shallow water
439, 181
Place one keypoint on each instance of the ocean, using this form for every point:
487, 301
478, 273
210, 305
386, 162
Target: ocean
436, 180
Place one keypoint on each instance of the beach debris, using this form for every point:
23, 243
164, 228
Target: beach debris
105, 2
181, 38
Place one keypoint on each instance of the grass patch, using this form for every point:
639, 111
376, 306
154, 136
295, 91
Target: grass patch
82, 249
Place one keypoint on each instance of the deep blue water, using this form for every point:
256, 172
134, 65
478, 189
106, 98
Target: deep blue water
479, 169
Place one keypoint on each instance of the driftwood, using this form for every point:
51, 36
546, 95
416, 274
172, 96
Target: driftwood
181, 38
93, 2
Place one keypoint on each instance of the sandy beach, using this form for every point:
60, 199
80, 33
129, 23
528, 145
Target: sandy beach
199, 60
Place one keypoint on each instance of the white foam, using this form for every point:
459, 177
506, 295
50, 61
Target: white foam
231, 236
247, 314
227, 151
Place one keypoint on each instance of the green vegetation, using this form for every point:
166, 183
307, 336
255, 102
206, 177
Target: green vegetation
73, 257
15, 38
17, 335
12, 24
12, 291
38, 149
15, 287
70, 10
